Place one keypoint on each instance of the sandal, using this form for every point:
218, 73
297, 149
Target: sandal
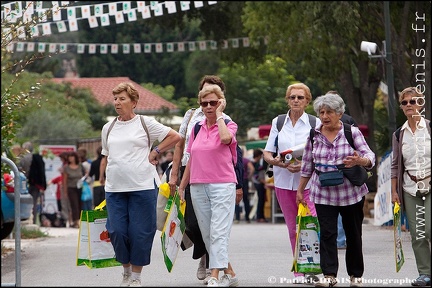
422, 280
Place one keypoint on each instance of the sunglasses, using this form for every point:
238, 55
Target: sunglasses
293, 97
212, 103
412, 102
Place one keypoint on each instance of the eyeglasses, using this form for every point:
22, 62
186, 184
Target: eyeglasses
412, 102
212, 103
299, 97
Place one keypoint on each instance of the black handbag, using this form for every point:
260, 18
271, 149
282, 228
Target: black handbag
357, 175
330, 178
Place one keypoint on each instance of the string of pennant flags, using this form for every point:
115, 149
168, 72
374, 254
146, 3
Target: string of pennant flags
127, 48
96, 14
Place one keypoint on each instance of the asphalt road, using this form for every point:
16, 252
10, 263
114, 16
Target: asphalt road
259, 252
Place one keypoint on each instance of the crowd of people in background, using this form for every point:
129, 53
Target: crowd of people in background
199, 172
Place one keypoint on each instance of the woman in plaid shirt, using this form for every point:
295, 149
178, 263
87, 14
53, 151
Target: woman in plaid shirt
330, 148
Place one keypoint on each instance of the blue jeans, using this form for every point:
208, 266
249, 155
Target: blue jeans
341, 239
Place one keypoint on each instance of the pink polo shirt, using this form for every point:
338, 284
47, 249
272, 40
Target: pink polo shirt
211, 161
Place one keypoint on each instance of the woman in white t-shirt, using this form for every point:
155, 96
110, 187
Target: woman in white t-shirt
130, 187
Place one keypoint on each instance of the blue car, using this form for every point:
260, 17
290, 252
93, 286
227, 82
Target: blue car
8, 203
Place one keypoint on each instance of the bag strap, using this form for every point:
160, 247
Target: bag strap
197, 128
279, 124
142, 123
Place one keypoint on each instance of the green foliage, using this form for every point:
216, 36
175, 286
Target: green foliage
165, 92
256, 91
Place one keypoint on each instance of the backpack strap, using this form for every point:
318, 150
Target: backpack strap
142, 123
146, 130
347, 133
279, 124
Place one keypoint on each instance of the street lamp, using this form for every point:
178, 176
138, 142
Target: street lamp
386, 54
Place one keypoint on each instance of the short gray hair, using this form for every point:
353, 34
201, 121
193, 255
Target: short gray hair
28, 146
332, 101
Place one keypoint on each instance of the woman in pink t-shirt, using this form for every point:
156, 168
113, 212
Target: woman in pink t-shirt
210, 172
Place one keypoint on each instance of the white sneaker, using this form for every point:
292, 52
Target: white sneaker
201, 272
212, 282
126, 280
356, 282
227, 280
208, 276
135, 283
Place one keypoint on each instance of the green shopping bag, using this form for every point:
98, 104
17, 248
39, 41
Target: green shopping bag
397, 230
173, 230
307, 248
94, 245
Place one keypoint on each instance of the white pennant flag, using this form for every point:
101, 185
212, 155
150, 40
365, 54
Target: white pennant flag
158, 11
52, 48
80, 48
225, 44
184, 5
198, 4
126, 7
153, 4
61, 26
29, 8
27, 17
212, 2
126, 48
103, 48
92, 48
41, 47
71, 13
171, 6
140, 5
73, 25
202, 45
119, 17
159, 48
20, 47
98, 10
10, 47
246, 42
93, 23
191, 46
85, 11
63, 48
46, 29
213, 45
146, 12
18, 9
112, 9
56, 12
137, 48
114, 48
235, 43
39, 5
170, 47
147, 48
34, 31
7, 33
180, 46
42, 14
105, 21
21, 32
30, 47
132, 16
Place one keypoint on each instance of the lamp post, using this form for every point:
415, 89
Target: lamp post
385, 54
389, 72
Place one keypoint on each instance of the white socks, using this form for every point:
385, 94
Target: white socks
128, 270
136, 275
